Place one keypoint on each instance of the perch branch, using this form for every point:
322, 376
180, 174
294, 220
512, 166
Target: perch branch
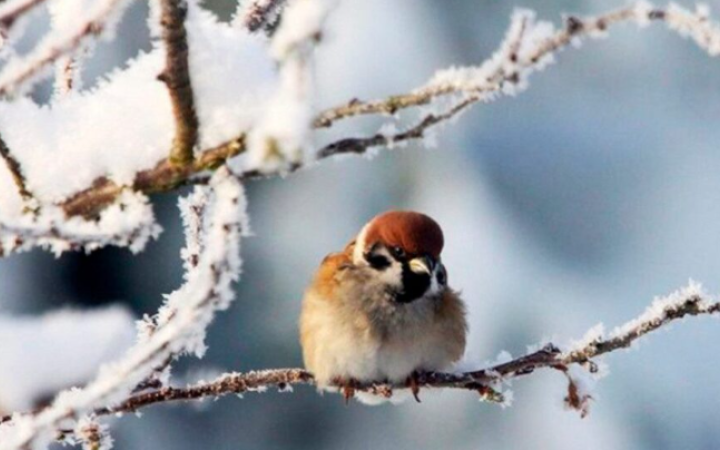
176, 77
505, 73
690, 301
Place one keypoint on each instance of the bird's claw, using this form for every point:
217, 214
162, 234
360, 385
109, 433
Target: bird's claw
414, 386
347, 388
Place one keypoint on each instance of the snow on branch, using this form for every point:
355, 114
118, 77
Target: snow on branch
179, 327
129, 222
89, 21
529, 46
260, 14
576, 361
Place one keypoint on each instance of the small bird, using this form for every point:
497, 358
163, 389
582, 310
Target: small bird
381, 310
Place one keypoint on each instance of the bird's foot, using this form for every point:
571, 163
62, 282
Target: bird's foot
347, 387
414, 385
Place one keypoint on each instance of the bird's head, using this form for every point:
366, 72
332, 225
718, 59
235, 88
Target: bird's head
403, 248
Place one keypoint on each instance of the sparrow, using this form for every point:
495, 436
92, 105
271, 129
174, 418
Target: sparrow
381, 310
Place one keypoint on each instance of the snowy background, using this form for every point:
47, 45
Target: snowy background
574, 203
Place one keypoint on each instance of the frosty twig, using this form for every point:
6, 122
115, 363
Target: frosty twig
15, 170
16, 74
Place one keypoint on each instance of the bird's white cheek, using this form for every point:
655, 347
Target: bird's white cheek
391, 276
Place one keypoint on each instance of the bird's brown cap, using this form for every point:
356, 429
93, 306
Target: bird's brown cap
415, 233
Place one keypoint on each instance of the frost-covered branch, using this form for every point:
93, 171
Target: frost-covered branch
577, 360
529, 46
260, 14
690, 301
163, 177
88, 24
129, 222
11, 11
176, 77
15, 170
179, 326
573, 361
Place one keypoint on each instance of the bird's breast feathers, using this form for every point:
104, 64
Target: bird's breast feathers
351, 328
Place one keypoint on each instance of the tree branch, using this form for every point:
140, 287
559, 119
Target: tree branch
129, 222
505, 73
689, 301
176, 77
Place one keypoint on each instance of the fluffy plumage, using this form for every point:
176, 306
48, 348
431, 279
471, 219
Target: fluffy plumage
381, 309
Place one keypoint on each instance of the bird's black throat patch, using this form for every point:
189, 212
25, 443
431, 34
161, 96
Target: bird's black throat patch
414, 285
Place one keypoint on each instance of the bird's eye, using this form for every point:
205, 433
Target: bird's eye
378, 262
442, 275
397, 252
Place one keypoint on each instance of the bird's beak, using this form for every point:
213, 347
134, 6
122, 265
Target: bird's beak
422, 264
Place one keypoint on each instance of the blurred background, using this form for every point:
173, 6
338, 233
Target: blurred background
574, 203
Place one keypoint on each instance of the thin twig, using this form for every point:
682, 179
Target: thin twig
16, 75
361, 145
15, 170
574, 27
176, 77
